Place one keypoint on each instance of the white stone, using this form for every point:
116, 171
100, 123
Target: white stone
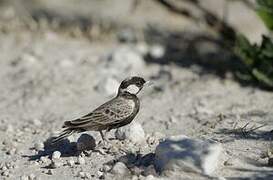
126, 59
31, 177
108, 86
70, 162
157, 51
39, 146
44, 159
120, 169
150, 177
181, 153
81, 174
56, 155
142, 48
99, 173
36, 122
24, 177
56, 164
133, 132
81, 160
86, 142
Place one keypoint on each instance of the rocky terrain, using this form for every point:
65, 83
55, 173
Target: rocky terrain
193, 123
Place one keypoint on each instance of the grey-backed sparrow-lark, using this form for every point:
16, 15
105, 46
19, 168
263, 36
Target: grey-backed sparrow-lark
113, 114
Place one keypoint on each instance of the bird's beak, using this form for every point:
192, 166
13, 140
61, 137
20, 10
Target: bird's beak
148, 83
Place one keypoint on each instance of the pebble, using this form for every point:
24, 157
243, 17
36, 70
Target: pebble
56, 164
108, 86
31, 177
24, 177
81, 174
39, 146
270, 162
133, 132
36, 122
142, 48
120, 169
44, 159
70, 162
56, 155
126, 60
157, 51
9, 128
88, 175
86, 142
50, 172
106, 168
99, 173
12, 151
81, 160
150, 177
5, 173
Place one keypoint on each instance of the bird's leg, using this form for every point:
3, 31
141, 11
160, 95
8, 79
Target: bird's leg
102, 136
104, 141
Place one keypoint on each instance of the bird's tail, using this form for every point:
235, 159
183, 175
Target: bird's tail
65, 133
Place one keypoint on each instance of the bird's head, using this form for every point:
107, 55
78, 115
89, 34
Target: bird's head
132, 85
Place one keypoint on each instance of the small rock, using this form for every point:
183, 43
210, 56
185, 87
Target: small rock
44, 159
133, 132
81, 160
181, 153
157, 51
50, 172
28, 58
81, 174
5, 173
106, 168
39, 146
134, 177
70, 162
12, 151
108, 86
86, 142
125, 59
37, 122
120, 169
99, 173
66, 63
126, 35
270, 162
56, 155
150, 177
88, 175
56, 164
142, 48
31, 177
24, 177
9, 129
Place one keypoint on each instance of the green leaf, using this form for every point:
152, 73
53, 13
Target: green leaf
262, 77
265, 11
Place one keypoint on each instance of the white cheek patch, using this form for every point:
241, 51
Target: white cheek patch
132, 89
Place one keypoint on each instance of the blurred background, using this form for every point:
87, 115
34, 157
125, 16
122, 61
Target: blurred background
217, 35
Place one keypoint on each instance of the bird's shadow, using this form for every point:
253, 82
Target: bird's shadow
65, 147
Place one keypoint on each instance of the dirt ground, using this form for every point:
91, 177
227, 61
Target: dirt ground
50, 76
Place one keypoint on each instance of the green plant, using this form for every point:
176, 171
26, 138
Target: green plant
258, 59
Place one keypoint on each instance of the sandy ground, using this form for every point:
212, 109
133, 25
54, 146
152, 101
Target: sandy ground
47, 77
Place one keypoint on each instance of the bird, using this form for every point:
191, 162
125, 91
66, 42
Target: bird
115, 113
